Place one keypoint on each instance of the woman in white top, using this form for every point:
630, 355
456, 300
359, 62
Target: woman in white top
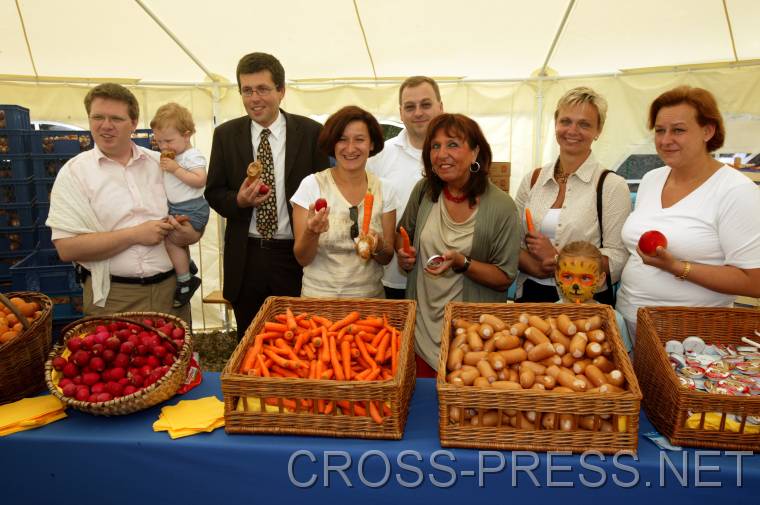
562, 198
707, 211
325, 239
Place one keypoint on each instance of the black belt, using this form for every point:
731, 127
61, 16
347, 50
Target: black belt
83, 273
263, 243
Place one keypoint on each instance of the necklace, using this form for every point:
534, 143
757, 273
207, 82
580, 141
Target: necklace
452, 198
559, 175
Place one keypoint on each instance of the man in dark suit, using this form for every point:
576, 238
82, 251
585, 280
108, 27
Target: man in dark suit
258, 242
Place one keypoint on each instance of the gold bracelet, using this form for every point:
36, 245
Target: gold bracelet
686, 270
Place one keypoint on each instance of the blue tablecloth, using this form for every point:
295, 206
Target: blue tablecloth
87, 459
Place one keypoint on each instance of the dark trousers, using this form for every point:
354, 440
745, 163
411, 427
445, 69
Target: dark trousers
394, 294
268, 272
534, 292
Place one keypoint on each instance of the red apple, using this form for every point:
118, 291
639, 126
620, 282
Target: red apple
650, 241
320, 204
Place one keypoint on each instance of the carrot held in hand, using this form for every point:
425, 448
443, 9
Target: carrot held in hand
407, 245
529, 220
369, 200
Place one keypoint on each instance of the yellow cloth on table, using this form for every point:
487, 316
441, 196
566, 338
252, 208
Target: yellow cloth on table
712, 422
189, 417
30, 413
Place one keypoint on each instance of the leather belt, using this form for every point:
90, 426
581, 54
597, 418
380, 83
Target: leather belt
263, 243
83, 273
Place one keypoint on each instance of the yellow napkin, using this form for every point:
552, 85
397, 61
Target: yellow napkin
712, 422
30, 413
189, 417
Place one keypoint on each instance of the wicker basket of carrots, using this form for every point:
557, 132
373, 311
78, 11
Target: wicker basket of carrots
325, 367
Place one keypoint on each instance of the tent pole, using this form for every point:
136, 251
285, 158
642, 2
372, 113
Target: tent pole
220, 222
538, 124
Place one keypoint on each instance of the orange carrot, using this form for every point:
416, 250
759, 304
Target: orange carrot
394, 351
283, 372
356, 328
325, 346
364, 354
386, 410
270, 326
529, 220
363, 375
249, 360
379, 337
267, 335
263, 365
334, 356
290, 320
329, 407
374, 412
327, 374
369, 200
350, 318
407, 245
323, 321
371, 321
382, 347
345, 348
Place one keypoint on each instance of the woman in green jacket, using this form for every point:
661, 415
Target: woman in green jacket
474, 231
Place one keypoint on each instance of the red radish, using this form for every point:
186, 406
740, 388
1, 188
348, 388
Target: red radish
121, 360
128, 390
74, 344
147, 322
112, 343
114, 388
90, 378
263, 189
100, 328
83, 393
650, 241
320, 204
70, 389
81, 358
117, 373
138, 361
77, 379
178, 333
109, 355
88, 341
97, 364
124, 381
97, 349
59, 362
64, 382
104, 397
98, 388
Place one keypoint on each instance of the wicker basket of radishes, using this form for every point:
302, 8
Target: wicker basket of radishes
116, 365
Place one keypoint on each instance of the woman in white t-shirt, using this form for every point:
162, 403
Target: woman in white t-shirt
326, 239
706, 210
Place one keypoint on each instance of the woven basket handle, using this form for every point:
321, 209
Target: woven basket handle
21, 317
87, 319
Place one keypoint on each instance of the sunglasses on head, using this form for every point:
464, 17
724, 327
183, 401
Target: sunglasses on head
353, 213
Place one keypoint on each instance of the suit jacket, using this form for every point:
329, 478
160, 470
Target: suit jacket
231, 153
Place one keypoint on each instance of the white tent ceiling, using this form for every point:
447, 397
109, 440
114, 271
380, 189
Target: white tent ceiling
182, 41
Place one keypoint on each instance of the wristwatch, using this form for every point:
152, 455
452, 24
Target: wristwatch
465, 266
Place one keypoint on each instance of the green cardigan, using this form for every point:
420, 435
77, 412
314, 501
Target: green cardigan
496, 238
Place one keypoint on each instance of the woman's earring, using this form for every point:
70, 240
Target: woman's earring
476, 169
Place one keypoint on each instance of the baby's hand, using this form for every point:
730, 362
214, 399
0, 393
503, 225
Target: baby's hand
169, 165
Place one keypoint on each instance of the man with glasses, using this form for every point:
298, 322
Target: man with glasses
400, 163
109, 214
258, 244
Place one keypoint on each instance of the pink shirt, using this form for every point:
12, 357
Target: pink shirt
123, 197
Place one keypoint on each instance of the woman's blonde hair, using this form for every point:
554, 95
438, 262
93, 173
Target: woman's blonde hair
173, 114
583, 95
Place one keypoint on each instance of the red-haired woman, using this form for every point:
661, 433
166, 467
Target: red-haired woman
457, 213
707, 211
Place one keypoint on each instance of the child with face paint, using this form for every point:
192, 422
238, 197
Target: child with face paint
579, 274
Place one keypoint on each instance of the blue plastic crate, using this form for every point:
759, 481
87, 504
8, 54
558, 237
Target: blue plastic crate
16, 214
16, 190
9, 259
145, 138
67, 304
14, 142
44, 236
14, 117
15, 166
42, 210
21, 238
48, 165
43, 271
59, 141
42, 189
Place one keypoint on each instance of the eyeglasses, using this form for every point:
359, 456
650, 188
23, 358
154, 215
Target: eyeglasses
259, 90
116, 120
353, 213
